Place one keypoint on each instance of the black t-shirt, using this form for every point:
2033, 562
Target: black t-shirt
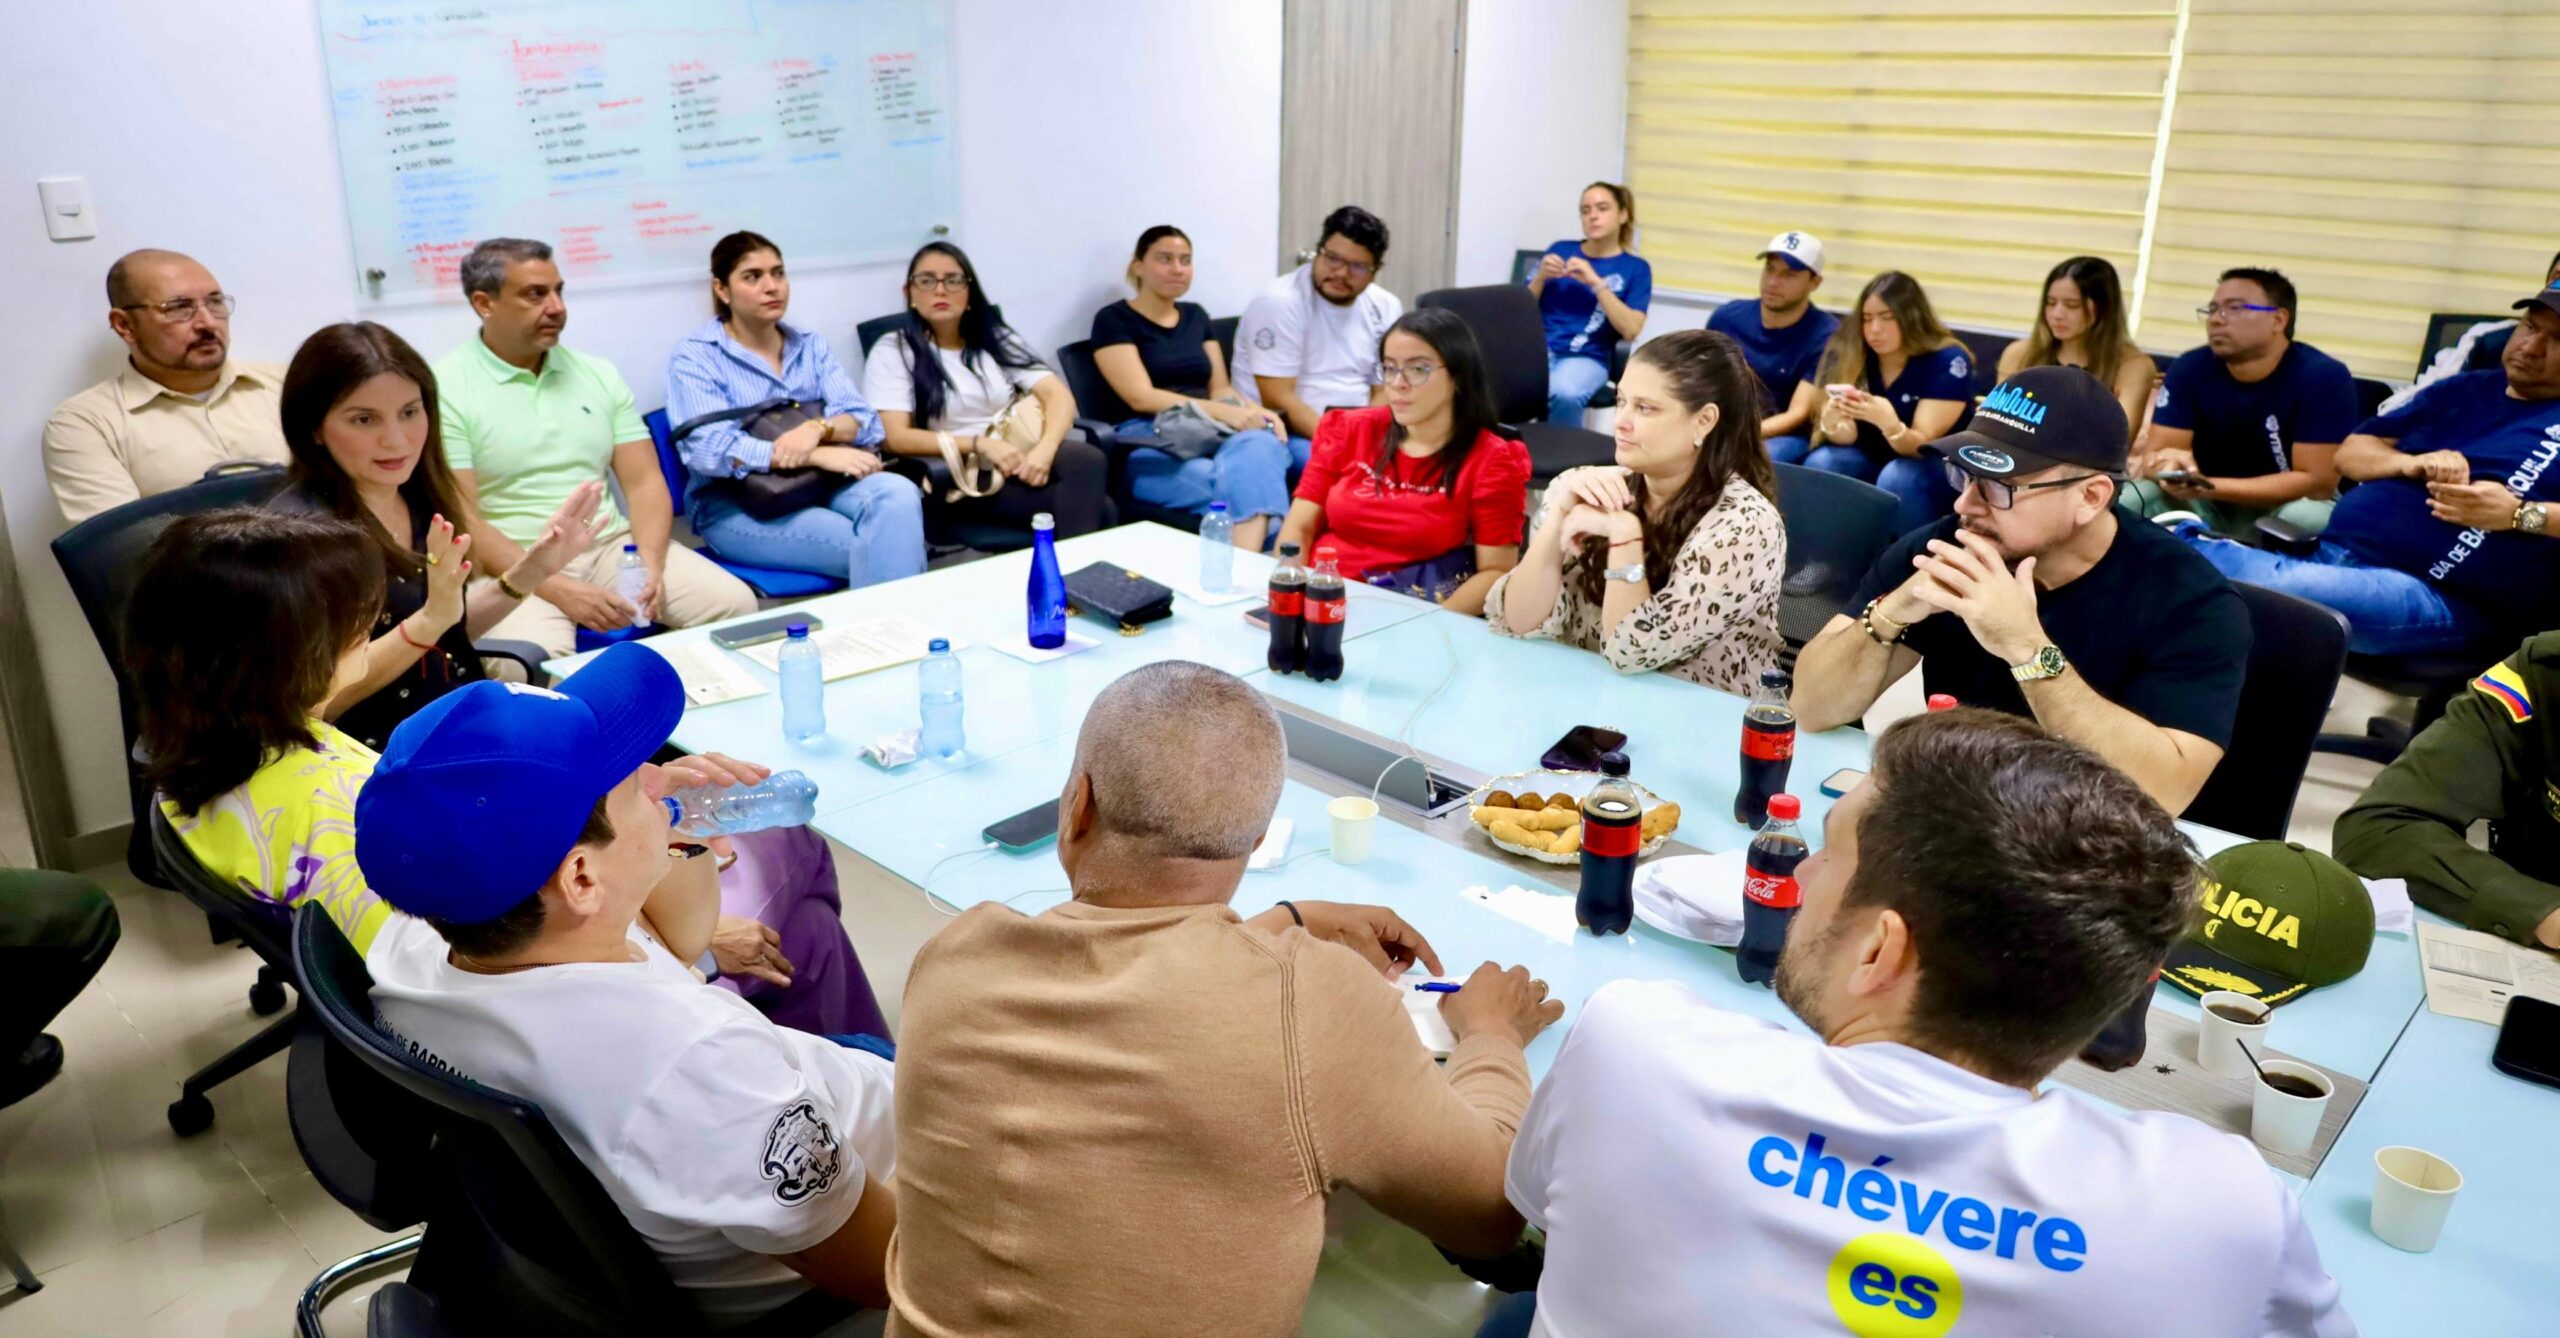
1176, 359
450, 665
2153, 627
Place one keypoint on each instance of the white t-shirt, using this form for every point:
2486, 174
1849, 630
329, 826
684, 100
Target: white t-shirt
1700, 1171
725, 1139
971, 397
1288, 329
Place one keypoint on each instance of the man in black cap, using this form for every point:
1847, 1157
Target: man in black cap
2041, 597
2447, 546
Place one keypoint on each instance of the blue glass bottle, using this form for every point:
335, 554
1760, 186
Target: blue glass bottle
1048, 595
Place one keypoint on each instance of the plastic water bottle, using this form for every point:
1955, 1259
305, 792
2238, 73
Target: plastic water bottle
804, 686
631, 580
1217, 550
938, 702
1048, 593
783, 799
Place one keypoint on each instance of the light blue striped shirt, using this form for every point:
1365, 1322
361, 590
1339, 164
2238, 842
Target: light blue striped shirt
710, 371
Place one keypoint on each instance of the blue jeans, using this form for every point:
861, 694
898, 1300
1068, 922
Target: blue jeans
871, 531
1250, 472
1919, 484
1510, 1317
2388, 611
1849, 460
1572, 380
1787, 450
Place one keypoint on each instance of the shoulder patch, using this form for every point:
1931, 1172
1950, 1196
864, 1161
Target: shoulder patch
2503, 685
800, 1155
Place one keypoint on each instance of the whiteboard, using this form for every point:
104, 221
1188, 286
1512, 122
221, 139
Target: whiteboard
631, 134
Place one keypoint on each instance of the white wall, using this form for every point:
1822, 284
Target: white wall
205, 128
1546, 115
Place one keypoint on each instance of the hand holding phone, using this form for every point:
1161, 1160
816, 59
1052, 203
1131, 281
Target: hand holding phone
1842, 390
2186, 477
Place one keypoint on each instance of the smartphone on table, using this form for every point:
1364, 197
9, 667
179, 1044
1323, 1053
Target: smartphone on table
1580, 748
757, 631
1027, 830
2529, 1041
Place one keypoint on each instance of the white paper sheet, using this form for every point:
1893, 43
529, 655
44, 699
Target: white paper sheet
1550, 913
2472, 975
858, 647
1020, 648
710, 675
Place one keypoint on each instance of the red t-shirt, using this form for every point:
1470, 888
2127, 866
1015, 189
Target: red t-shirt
1378, 523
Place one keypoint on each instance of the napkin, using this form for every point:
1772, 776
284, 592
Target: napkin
2392, 913
1696, 897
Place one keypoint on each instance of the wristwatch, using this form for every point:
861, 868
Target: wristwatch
2530, 517
2045, 663
1632, 573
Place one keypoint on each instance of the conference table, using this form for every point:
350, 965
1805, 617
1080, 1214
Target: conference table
1448, 689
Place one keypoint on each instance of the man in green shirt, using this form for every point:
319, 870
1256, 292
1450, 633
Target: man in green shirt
2493, 756
525, 422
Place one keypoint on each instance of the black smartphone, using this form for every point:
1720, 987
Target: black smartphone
2182, 476
2529, 1041
757, 631
1027, 830
1580, 748
1260, 616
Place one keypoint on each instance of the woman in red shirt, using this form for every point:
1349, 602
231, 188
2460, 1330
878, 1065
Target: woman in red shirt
1422, 493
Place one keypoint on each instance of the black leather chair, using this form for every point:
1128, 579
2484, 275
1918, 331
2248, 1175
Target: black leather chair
1099, 413
1505, 321
2445, 329
2431, 681
260, 927
2296, 649
520, 1238
2370, 394
1836, 529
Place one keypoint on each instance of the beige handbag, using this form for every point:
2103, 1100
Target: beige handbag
1018, 424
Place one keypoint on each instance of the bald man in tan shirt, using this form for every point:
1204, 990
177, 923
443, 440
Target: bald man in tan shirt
1123, 1116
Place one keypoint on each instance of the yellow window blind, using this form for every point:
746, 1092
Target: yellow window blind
2394, 159
1971, 143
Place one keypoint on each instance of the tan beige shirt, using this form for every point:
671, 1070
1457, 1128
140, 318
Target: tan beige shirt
130, 437
1125, 1122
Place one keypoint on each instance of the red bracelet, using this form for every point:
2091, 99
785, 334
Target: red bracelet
402, 628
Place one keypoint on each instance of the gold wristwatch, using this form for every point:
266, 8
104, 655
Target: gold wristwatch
2530, 518
2045, 663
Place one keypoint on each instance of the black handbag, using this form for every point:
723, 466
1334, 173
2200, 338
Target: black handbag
770, 494
1118, 595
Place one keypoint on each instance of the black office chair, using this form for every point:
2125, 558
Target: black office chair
1099, 413
2431, 681
101, 557
520, 1237
1836, 529
1504, 319
263, 929
2370, 393
2445, 329
870, 331
1223, 329
2296, 649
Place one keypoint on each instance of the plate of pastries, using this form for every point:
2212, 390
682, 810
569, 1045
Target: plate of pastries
1539, 814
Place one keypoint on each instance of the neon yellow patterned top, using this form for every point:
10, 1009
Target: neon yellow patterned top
289, 834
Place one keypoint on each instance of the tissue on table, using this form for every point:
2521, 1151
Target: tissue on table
1696, 897
893, 750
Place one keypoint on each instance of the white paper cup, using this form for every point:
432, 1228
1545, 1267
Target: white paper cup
2218, 1039
2283, 1123
2413, 1190
1354, 816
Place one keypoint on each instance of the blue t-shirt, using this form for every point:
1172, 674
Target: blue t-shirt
2512, 577
1576, 327
1782, 359
2246, 429
1944, 375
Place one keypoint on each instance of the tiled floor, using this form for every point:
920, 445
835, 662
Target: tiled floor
137, 1232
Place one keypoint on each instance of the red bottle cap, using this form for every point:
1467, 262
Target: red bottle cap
1785, 806
1939, 701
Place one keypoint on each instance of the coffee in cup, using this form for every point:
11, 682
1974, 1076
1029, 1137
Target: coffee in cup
2241, 1013
2292, 1086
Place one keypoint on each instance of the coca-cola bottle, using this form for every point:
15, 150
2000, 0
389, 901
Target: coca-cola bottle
1768, 747
1288, 610
1612, 835
1769, 892
1327, 605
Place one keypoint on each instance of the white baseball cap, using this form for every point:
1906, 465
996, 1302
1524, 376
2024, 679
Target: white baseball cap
1800, 249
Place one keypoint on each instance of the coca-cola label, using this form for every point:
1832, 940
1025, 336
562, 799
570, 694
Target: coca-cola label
1327, 610
1288, 603
1764, 745
1777, 891
1623, 837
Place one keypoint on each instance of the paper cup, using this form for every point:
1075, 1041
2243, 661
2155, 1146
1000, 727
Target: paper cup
2283, 1123
2218, 1039
1354, 816
2413, 1190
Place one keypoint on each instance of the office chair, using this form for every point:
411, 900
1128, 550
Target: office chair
767, 582
263, 929
2370, 393
1099, 413
2296, 649
2446, 328
1505, 322
1836, 529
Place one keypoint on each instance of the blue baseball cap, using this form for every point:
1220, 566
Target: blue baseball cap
479, 797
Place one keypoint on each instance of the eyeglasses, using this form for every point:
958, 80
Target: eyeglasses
2000, 496
2230, 310
1351, 267
1407, 374
948, 283
180, 310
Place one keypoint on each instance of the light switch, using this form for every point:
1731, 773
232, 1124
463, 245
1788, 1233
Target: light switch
67, 215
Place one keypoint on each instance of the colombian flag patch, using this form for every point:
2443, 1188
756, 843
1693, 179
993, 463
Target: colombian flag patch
2503, 685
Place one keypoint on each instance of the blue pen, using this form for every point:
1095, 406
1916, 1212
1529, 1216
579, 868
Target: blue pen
1437, 987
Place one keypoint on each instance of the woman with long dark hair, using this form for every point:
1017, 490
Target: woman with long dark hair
869, 527
2082, 324
954, 383
1157, 353
1894, 379
1423, 492
359, 411
1591, 293
1671, 558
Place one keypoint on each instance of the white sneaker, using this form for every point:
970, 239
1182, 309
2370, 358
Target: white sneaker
2169, 520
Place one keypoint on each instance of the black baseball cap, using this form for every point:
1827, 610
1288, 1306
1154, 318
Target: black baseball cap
2548, 297
2042, 417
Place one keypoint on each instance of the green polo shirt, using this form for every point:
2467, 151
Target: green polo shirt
532, 439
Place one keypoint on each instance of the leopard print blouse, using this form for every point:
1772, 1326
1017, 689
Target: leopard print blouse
1715, 621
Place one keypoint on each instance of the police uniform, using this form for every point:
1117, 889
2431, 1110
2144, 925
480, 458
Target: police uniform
2492, 756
